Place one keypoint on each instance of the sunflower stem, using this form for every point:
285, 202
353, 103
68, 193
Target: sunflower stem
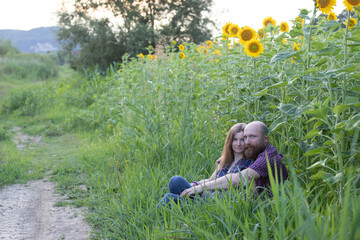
309, 38
254, 75
346, 37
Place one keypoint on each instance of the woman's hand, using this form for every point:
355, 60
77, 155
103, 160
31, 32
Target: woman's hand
192, 191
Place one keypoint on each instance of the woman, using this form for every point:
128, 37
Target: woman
231, 161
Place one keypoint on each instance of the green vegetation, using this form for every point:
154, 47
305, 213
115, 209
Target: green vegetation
146, 120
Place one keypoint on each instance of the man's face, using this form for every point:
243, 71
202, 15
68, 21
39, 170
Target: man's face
255, 141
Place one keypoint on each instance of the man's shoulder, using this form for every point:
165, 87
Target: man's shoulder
269, 151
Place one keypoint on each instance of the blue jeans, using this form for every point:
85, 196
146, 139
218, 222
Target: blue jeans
177, 185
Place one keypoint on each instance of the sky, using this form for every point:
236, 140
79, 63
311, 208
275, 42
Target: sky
28, 14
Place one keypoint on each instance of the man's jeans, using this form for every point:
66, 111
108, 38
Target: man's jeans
177, 185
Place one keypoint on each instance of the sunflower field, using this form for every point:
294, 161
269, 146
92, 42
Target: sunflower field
168, 113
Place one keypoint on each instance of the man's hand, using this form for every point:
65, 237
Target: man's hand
192, 191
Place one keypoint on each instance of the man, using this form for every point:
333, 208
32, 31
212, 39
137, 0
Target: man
257, 147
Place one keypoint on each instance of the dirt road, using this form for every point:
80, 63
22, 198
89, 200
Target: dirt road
28, 212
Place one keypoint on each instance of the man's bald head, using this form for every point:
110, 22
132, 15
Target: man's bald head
260, 126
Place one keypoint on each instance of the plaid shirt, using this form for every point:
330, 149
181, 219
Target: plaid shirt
260, 166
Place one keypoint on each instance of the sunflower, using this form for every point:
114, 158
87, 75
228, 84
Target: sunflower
326, 6
140, 55
234, 30
284, 27
253, 48
209, 44
182, 55
173, 42
350, 4
269, 20
332, 16
261, 33
296, 46
284, 41
299, 20
246, 34
352, 22
152, 57
181, 47
217, 52
225, 29
298, 26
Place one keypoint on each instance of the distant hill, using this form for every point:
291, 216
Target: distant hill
37, 40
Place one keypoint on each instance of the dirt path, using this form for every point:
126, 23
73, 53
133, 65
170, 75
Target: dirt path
27, 210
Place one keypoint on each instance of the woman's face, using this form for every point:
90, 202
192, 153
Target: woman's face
238, 144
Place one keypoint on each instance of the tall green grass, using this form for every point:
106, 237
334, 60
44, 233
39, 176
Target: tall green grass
144, 121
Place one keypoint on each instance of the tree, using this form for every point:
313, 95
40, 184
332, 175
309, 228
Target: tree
90, 41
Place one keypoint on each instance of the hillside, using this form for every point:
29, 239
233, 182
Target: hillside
37, 40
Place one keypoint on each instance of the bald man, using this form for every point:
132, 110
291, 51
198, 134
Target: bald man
258, 149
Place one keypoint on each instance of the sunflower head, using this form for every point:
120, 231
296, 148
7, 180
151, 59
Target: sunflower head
151, 57
296, 46
173, 42
325, 6
217, 52
332, 16
284, 27
182, 55
350, 4
269, 20
225, 29
299, 20
181, 47
246, 34
261, 33
209, 43
254, 48
234, 30
298, 26
352, 22
140, 55
284, 41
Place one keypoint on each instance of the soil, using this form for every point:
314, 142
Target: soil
27, 211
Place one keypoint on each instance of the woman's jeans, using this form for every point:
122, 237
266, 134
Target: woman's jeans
177, 185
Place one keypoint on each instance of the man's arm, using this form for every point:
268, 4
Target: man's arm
223, 183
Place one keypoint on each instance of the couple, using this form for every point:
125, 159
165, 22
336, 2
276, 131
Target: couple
244, 158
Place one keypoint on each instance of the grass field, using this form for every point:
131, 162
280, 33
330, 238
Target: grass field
147, 119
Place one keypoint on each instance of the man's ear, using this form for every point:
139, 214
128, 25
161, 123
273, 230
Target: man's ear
266, 140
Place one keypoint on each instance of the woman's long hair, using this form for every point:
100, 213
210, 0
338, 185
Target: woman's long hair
227, 155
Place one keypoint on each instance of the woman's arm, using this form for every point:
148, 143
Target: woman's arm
204, 181
223, 183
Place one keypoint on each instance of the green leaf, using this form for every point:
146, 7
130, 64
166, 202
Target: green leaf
340, 108
296, 32
279, 84
353, 122
313, 133
261, 93
318, 164
331, 24
293, 110
323, 52
282, 55
316, 151
321, 62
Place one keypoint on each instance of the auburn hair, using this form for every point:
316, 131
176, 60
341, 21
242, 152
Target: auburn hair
227, 155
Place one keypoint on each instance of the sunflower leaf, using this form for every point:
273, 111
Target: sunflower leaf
282, 55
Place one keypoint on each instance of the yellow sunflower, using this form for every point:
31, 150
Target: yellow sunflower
181, 47
173, 42
296, 46
246, 34
217, 52
284, 41
352, 22
326, 6
140, 55
269, 20
261, 33
209, 44
182, 55
284, 27
225, 29
332, 16
152, 57
350, 4
253, 48
299, 20
234, 30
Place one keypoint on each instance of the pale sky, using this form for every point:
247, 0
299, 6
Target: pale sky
28, 14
